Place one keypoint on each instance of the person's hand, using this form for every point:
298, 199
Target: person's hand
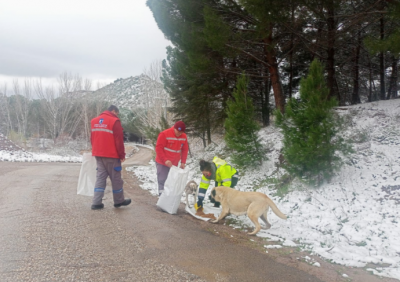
168, 163
122, 160
183, 166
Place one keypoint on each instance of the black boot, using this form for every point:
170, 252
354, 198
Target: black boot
97, 207
124, 203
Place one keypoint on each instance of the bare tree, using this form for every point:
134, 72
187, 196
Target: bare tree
17, 94
59, 106
100, 85
49, 108
6, 113
22, 105
87, 84
68, 93
156, 98
85, 103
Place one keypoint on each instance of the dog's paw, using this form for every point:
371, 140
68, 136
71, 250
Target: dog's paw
255, 231
214, 221
266, 227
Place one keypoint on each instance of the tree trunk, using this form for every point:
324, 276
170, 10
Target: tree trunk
382, 62
264, 94
392, 92
330, 62
7, 108
355, 99
209, 136
274, 74
265, 101
370, 79
208, 124
291, 58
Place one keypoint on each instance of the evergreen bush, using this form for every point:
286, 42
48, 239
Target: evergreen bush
311, 130
152, 132
241, 128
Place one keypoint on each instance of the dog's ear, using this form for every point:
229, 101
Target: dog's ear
213, 192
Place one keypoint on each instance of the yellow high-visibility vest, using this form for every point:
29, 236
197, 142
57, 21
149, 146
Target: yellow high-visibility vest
223, 174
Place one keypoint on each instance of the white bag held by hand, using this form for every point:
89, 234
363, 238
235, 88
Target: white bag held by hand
173, 189
87, 176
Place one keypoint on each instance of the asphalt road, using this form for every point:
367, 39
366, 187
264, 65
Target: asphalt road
49, 233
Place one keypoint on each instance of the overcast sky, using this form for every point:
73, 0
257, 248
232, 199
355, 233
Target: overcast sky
100, 39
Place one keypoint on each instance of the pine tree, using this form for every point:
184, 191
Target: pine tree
194, 97
311, 130
241, 128
192, 73
153, 132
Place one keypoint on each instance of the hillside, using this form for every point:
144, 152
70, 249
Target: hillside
131, 92
354, 219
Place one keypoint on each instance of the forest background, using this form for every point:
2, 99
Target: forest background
272, 42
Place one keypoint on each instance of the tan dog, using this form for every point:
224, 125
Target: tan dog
191, 188
254, 204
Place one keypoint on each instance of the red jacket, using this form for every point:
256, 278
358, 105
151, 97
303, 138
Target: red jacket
107, 136
172, 148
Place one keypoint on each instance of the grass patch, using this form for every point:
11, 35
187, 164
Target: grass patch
361, 244
236, 223
282, 191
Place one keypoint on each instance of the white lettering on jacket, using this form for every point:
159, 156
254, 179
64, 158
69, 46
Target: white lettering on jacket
100, 125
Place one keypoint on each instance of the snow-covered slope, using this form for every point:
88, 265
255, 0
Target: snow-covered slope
14, 153
131, 92
355, 219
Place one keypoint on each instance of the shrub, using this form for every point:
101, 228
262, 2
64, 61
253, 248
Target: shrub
311, 141
241, 128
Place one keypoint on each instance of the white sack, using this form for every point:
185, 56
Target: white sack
87, 176
173, 189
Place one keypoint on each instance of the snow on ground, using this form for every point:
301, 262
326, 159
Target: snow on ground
354, 219
13, 153
144, 146
146, 174
23, 156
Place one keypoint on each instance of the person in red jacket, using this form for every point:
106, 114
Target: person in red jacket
171, 147
107, 139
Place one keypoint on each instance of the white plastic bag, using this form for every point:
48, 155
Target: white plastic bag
173, 189
87, 176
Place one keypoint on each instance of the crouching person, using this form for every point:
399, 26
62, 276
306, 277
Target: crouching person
221, 172
108, 147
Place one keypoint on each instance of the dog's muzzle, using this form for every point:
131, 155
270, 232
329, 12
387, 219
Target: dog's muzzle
212, 200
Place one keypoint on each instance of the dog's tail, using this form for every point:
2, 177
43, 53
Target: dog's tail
276, 210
